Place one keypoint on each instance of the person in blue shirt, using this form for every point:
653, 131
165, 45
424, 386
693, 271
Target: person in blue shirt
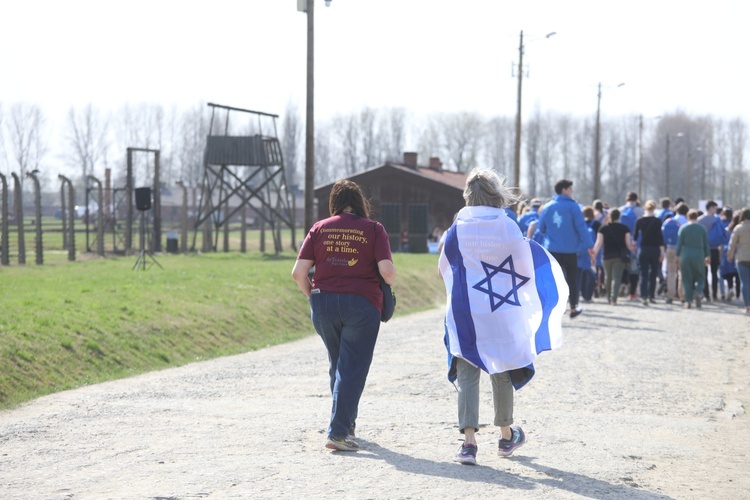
565, 233
666, 210
530, 216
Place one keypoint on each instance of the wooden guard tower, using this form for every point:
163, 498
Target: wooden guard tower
243, 172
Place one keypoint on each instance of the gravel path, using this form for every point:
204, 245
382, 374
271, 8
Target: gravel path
641, 402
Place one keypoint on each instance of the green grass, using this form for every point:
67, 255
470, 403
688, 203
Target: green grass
75, 323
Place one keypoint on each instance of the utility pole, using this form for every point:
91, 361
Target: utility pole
310, 119
517, 158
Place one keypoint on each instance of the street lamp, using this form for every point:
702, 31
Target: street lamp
517, 158
308, 7
597, 140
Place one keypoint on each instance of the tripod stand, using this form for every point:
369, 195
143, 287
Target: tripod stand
142, 262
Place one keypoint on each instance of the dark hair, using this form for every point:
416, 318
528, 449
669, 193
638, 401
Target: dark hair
665, 202
682, 209
693, 215
562, 184
588, 212
710, 204
598, 205
677, 201
745, 214
614, 215
632, 196
736, 219
347, 194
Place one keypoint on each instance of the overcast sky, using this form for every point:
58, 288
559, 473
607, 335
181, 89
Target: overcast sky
424, 55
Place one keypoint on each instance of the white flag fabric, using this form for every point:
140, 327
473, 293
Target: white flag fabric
506, 293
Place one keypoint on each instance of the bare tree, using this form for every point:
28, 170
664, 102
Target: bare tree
548, 153
291, 140
140, 126
192, 144
369, 137
326, 170
721, 152
86, 137
460, 135
564, 127
533, 139
497, 144
429, 142
346, 133
393, 133
581, 172
738, 145
25, 131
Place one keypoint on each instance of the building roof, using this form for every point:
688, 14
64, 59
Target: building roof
449, 178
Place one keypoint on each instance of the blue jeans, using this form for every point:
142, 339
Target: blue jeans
648, 261
744, 272
349, 325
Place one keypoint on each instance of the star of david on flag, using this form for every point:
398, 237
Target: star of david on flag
486, 285
499, 317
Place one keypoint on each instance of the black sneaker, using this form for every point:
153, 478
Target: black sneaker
575, 312
506, 447
467, 455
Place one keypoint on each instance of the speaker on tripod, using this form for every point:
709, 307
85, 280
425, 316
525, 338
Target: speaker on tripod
143, 204
143, 198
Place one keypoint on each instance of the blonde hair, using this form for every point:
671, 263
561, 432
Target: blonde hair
649, 206
484, 187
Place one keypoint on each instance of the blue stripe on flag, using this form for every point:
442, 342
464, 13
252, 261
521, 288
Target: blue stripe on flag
460, 301
546, 287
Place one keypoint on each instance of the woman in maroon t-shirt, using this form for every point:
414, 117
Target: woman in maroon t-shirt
348, 251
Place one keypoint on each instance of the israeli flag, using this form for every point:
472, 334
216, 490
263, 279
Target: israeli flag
506, 293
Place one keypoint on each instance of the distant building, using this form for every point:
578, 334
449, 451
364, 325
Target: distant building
416, 202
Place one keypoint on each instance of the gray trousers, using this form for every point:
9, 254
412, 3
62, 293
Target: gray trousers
468, 396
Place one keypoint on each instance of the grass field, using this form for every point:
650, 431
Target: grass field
67, 324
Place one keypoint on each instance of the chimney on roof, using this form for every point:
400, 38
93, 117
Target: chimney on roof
410, 159
436, 164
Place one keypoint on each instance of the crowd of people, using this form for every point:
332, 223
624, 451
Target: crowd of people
509, 279
640, 253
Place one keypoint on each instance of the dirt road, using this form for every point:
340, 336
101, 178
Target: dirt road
641, 402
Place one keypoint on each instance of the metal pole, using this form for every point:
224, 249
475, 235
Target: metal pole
99, 217
38, 246
517, 157
129, 203
71, 217
183, 218
4, 230
310, 120
156, 244
597, 139
18, 202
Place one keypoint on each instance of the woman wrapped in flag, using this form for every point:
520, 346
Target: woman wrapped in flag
506, 299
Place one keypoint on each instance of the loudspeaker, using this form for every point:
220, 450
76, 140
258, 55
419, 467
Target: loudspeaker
143, 198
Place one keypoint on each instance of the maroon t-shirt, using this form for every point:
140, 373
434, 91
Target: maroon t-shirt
346, 249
